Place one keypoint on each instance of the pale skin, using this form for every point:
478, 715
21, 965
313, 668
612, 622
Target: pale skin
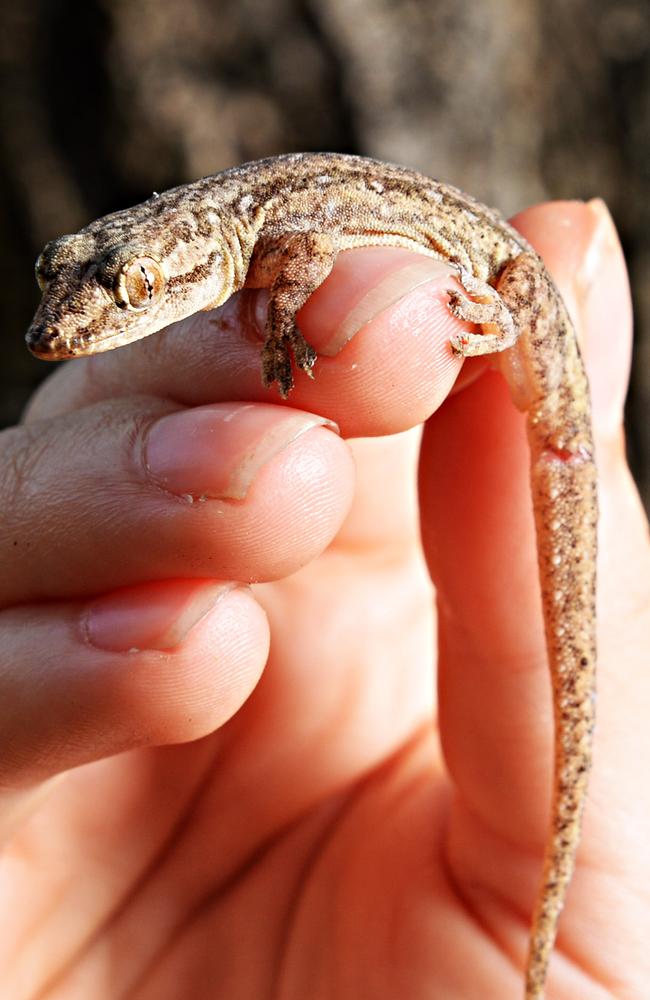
411, 899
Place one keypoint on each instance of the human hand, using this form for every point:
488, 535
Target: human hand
307, 837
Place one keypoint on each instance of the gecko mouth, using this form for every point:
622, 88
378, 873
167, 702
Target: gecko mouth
50, 340
50, 344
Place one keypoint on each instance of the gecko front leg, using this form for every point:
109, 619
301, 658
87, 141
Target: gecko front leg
292, 266
547, 380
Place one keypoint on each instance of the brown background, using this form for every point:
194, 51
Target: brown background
514, 100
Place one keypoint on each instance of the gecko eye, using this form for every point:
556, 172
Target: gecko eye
139, 283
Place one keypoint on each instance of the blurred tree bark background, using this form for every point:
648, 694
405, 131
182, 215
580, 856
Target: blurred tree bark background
514, 100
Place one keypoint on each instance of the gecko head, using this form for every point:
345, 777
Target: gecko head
95, 301
101, 292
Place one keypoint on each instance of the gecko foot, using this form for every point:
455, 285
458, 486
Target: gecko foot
276, 359
488, 309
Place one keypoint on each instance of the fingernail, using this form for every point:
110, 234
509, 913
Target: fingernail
392, 274
151, 616
216, 451
604, 308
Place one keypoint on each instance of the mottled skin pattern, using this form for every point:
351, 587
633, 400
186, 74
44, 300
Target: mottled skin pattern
279, 223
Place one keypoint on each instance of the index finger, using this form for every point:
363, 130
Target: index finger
380, 324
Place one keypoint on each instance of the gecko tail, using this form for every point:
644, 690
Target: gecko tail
564, 484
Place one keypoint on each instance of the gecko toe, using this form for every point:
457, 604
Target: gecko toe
276, 366
304, 354
276, 359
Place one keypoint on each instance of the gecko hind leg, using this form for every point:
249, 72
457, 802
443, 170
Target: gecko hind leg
300, 263
488, 309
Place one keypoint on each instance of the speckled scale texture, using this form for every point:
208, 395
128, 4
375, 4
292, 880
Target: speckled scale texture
279, 223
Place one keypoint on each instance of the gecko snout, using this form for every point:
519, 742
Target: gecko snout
47, 342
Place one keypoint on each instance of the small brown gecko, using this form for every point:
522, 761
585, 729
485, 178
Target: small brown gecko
279, 223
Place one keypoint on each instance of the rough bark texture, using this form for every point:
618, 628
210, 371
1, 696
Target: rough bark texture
513, 100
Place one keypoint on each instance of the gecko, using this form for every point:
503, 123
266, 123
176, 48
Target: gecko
279, 223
